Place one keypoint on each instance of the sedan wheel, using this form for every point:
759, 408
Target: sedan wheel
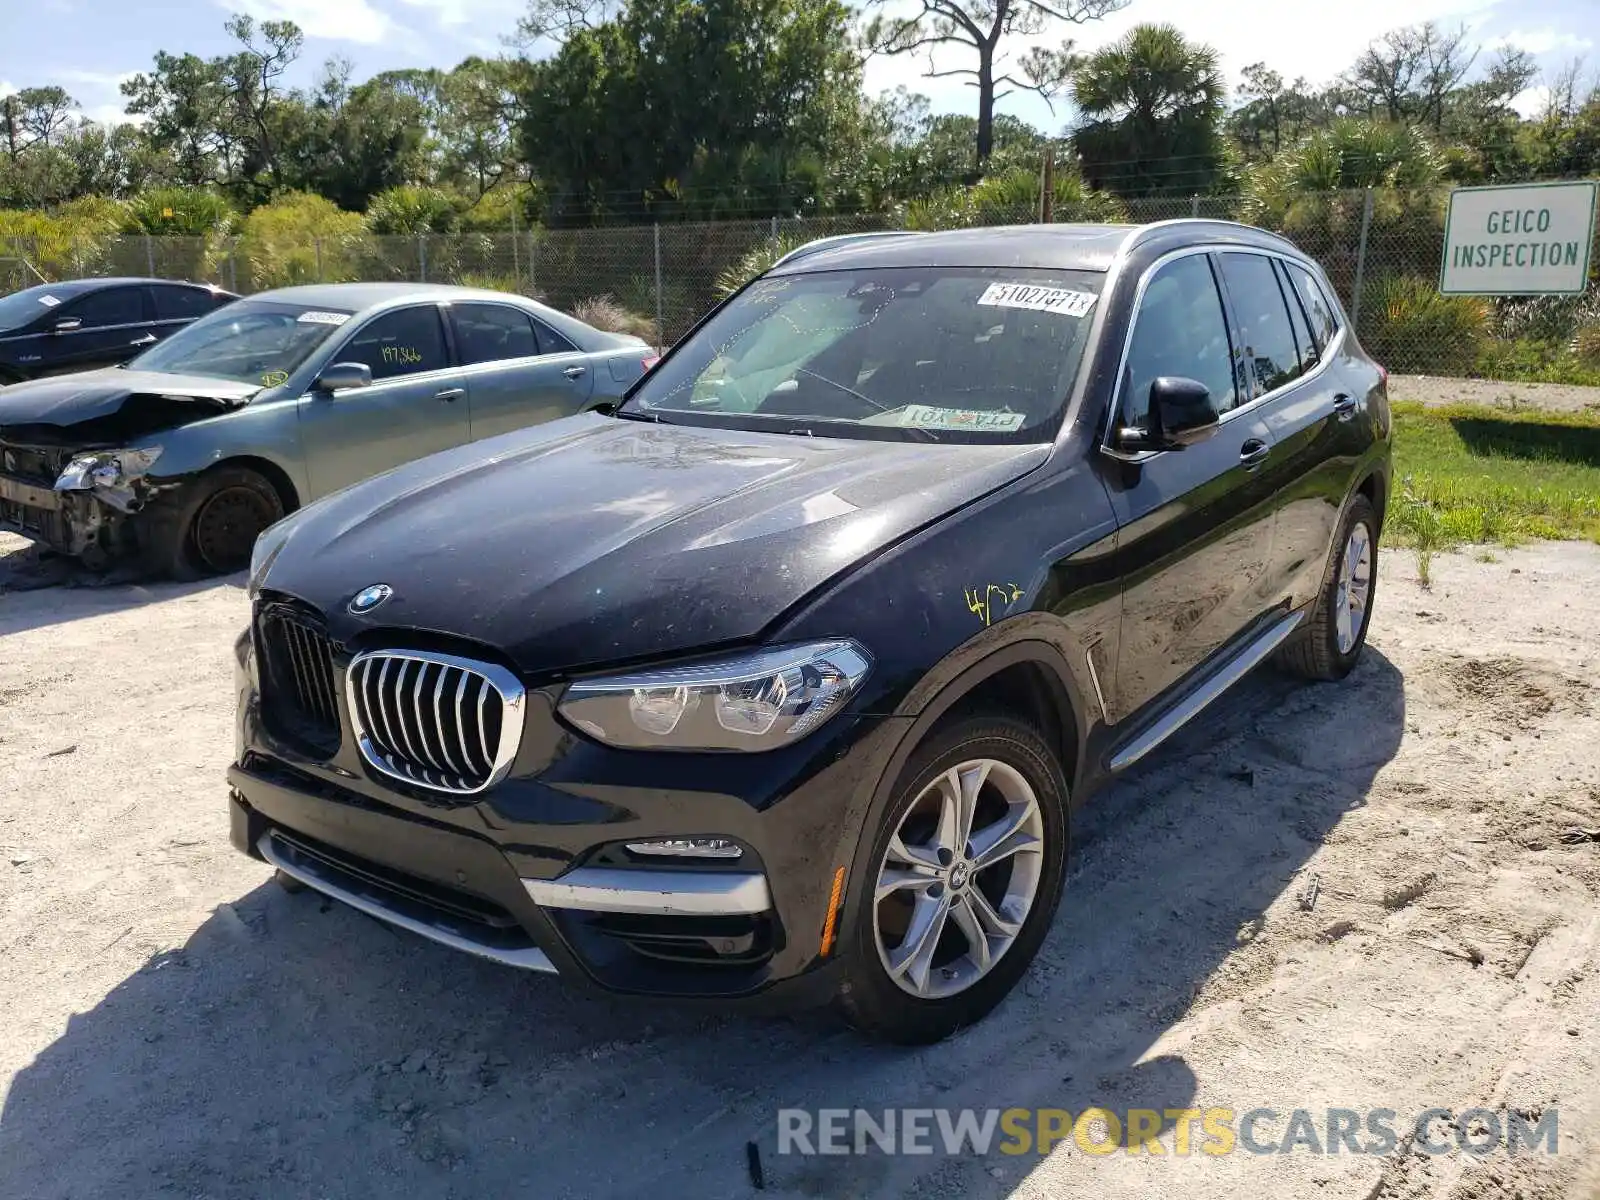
1354, 587
226, 527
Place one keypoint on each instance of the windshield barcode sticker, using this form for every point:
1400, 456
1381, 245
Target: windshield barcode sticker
322, 318
927, 416
49, 301
1042, 299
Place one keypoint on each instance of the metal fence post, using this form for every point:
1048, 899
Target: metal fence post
1194, 205
233, 270
317, 243
1361, 262
533, 260
149, 255
774, 226
516, 254
661, 327
422, 257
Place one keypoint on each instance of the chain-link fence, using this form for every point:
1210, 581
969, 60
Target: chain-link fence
1381, 248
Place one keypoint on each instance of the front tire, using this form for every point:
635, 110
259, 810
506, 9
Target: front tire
964, 873
211, 526
1331, 645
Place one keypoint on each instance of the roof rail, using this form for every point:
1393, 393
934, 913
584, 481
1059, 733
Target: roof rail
841, 239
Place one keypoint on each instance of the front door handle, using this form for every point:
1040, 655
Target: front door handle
575, 372
1344, 407
450, 395
148, 339
1253, 453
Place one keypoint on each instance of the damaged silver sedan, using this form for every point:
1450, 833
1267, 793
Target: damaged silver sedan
179, 459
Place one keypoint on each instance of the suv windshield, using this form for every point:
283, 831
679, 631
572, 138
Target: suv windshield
952, 354
249, 341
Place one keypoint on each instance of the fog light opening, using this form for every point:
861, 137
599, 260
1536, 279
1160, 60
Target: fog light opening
710, 847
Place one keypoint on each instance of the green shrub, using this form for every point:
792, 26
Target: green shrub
302, 238
1536, 360
1586, 345
1410, 328
179, 211
409, 211
757, 260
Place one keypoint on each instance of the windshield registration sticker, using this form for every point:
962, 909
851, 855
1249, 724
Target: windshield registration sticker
926, 416
322, 318
1042, 299
49, 301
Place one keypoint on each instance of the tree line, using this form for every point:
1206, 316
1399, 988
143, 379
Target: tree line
679, 109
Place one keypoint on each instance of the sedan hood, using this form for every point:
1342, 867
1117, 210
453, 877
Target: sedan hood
63, 402
596, 540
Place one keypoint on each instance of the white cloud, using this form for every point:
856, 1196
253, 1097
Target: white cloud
337, 20
7, 88
498, 15
1542, 41
1276, 32
109, 80
1532, 102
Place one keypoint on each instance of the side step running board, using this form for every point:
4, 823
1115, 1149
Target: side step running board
1220, 680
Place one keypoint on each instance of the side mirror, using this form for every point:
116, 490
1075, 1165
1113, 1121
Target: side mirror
68, 325
1181, 414
336, 377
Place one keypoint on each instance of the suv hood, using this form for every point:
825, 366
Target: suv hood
68, 404
596, 540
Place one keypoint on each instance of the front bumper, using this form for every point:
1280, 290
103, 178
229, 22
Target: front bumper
535, 874
71, 523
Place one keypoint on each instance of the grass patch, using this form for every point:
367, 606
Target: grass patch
1472, 474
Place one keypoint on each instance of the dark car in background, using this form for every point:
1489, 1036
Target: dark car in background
86, 323
783, 680
180, 458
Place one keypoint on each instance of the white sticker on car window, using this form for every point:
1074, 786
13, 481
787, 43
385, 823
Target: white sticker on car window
1043, 299
49, 301
322, 318
927, 416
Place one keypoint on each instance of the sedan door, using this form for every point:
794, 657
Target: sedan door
100, 329
519, 371
1195, 536
415, 406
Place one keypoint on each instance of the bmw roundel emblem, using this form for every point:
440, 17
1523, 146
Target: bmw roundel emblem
368, 598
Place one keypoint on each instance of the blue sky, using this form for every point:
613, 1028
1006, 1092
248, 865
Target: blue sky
88, 45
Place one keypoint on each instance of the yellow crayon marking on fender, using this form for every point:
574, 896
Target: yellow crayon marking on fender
981, 603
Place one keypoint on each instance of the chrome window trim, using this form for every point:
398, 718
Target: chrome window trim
513, 701
1329, 352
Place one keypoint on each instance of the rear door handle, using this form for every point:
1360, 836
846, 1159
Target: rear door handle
450, 395
1253, 453
575, 372
1344, 407
147, 340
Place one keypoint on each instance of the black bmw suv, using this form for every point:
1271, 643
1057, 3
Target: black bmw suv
783, 680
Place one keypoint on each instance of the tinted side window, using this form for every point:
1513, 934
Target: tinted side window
1266, 337
1179, 331
114, 306
405, 342
490, 332
1324, 320
182, 303
1297, 318
551, 342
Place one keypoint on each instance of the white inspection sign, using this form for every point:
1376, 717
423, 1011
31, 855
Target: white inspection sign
1528, 239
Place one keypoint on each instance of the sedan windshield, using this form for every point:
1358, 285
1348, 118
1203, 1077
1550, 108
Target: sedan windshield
249, 341
938, 354
21, 308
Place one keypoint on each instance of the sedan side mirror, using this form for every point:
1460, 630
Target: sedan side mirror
336, 377
1181, 414
68, 325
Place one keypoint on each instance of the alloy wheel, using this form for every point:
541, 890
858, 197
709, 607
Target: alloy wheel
1355, 587
958, 878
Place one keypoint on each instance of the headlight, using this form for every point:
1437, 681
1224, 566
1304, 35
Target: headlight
750, 702
106, 468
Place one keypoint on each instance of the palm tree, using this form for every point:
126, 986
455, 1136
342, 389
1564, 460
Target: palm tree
1153, 107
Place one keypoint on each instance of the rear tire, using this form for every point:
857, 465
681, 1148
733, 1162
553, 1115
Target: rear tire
210, 527
1331, 644
1003, 883
288, 882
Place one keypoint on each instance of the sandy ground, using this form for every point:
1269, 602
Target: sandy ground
1432, 389
175, 1025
